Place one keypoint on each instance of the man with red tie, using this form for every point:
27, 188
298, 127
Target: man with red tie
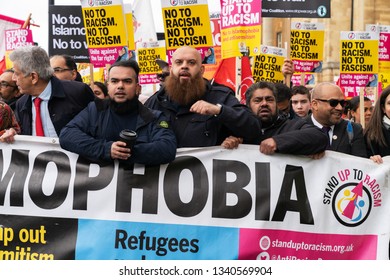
48, 103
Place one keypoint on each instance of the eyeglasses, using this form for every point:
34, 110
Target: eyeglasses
162, 76
60, 70
334, 102
5, 85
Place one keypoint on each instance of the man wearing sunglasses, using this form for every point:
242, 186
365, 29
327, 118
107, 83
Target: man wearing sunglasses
164, 66
327, 109
9, 91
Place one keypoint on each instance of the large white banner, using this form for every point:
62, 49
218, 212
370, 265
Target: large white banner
210, 203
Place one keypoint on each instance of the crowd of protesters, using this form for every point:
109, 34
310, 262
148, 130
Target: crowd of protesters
44, 96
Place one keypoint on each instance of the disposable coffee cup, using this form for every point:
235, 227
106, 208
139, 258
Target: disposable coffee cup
129, 137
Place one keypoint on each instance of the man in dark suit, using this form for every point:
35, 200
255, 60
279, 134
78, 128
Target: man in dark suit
278, 133
327, 108
48, 103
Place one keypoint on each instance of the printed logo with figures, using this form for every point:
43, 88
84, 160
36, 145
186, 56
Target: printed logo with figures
352, 202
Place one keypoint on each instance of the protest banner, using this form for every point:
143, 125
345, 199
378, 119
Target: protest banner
358, 61
67, 33
384, 45
15, 38
132, 26
147, 53
215, 21
268, 64
142, 22
296, 9
6, 23
186, 23
240, 28
105, 28
384, 53
307, 46
209, 203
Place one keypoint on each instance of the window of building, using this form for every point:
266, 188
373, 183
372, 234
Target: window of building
279, 43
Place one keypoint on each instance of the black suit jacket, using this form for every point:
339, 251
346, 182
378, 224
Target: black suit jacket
342, 143
67, 99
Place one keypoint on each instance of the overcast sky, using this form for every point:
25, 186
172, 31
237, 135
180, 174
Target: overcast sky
20, 9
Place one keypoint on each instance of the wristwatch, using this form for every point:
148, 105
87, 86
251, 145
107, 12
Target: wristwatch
220, 106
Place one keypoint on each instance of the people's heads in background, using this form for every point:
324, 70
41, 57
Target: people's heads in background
353, 109
8, 89
283, 98
65, 68
100, 90
164, 66
261, 99
300, 101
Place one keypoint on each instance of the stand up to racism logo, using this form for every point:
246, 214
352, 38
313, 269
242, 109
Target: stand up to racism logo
352, 194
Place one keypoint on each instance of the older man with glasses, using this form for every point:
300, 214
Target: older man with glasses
327, 105
9, 91
65, 68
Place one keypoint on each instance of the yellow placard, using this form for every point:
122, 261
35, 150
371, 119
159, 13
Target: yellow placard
268, 68
147, 59
359, 56
130, 31
105, 26
237, 40
307, 44
187, 26
384, 78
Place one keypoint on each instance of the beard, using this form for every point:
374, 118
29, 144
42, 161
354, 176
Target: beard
186, 92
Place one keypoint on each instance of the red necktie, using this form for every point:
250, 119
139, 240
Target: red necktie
38, 120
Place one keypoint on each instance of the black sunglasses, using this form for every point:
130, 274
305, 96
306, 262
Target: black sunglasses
162, 76
334, 102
